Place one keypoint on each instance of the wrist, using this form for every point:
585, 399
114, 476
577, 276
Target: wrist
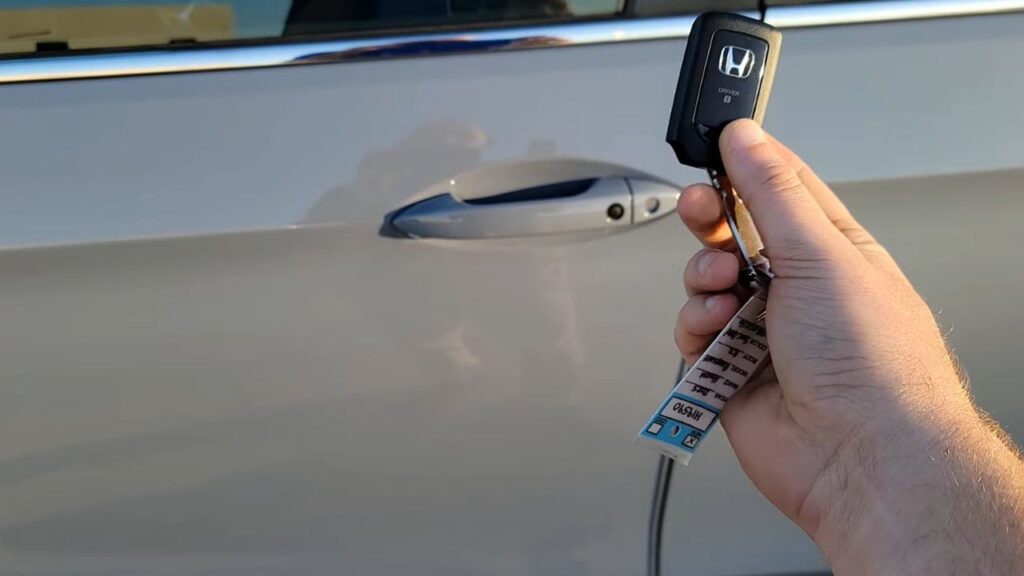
882, 503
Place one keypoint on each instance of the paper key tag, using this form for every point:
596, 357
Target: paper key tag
683, 420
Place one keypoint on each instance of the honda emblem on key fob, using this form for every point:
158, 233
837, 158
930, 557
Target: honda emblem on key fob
736, 62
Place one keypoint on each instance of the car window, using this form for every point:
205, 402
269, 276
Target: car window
665, 7
28, 26
795, 2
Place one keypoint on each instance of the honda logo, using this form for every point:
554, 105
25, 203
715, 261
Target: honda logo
736, 62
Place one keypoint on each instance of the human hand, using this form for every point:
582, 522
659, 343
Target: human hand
864, 404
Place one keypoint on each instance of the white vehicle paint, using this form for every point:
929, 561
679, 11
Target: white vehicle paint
213, 362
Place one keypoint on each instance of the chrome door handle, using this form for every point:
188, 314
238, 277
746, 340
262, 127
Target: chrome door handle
572, 206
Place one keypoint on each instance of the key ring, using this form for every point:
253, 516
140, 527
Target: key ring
756, 275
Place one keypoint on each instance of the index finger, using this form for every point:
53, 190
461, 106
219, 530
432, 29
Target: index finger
700, 208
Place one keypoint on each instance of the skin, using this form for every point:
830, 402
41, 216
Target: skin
863, 433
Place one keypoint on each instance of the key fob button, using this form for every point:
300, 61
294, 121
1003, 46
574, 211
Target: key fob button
732, 79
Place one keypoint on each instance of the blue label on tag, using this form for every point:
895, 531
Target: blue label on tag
682, 422
730, 361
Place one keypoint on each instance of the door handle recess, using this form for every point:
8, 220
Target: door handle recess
571, 206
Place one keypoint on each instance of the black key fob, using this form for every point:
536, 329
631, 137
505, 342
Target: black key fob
727, 74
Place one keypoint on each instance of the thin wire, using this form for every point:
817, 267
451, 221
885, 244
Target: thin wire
659, 502
656, 520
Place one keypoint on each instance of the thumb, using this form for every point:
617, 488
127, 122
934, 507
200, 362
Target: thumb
792, 224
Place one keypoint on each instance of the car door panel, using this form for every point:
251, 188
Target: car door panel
898, 99
218, 364
325, 400
258, 397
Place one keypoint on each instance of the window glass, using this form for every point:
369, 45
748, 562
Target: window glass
794, 2
666, 7
57, 25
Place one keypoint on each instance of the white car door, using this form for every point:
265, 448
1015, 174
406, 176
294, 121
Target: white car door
221, 355
216, 362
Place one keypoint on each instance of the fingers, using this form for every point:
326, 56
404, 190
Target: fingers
706, 313
700, 319
710, 271
701, 210
791, 221
830, 204
837, 212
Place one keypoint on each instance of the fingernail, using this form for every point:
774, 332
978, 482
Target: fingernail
711, 302
745, 133
704, 262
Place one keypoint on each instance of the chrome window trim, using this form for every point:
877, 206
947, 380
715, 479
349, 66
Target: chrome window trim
807, 15
15, 70
166, 61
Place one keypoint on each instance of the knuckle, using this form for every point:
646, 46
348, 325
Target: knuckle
686, 315
796, 260
780, 179
693, 315
681, 319
682, 336
693, 277
850, 228
691, 280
